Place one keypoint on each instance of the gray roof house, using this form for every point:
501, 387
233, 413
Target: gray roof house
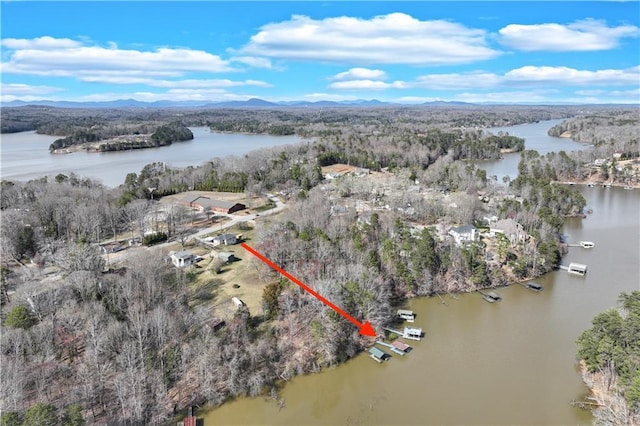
510, 229
226, 239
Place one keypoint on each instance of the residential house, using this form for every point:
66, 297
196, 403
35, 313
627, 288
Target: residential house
509, 228
226, 239
180, 259
464, 234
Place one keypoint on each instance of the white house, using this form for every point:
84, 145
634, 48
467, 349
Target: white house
464, 234
226, 239
180, 259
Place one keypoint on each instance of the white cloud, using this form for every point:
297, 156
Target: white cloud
40, 43
359, 74
187, 83
366, 85
632, 95
472, 80
326, 97
48, 56
506, 97
18, 89
386, 39
528, 76
573, 77
415, 99
585, 35
210, 95
253, 61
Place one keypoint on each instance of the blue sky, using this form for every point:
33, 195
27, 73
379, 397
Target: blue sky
408, 52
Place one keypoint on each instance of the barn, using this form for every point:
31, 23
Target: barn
202, 203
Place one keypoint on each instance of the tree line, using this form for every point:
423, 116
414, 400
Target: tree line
610, 350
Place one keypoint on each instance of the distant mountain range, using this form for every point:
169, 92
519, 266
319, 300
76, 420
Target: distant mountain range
253, 102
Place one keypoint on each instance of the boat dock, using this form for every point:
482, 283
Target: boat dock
583, 244
408, 333
396, 346
378, 355
408, 316
575, 268
533, 286
490, 297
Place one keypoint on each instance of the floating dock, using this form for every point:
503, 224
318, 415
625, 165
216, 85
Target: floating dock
534, 286
378, 355
490, 297
583, 244
396, 346
408, 333
408, 316
575, 268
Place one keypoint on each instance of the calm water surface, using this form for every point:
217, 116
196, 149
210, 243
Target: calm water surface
511, 362
506, 363
25, 155
536, 137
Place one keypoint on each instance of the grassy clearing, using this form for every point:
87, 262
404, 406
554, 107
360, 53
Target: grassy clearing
237, 279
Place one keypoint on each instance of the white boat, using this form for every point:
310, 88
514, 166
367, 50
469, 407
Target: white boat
587, 244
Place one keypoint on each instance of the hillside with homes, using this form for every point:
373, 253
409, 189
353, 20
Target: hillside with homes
147, 281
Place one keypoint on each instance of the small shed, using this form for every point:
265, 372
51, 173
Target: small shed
238, 302
228, 257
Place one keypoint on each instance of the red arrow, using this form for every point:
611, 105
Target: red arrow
365, 329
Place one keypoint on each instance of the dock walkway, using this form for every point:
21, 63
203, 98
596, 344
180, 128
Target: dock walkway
408, 333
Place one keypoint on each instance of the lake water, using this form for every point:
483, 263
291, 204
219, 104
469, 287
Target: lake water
506, 363
25, 155
536, 137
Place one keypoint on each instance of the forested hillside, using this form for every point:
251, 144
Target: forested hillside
610, 351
